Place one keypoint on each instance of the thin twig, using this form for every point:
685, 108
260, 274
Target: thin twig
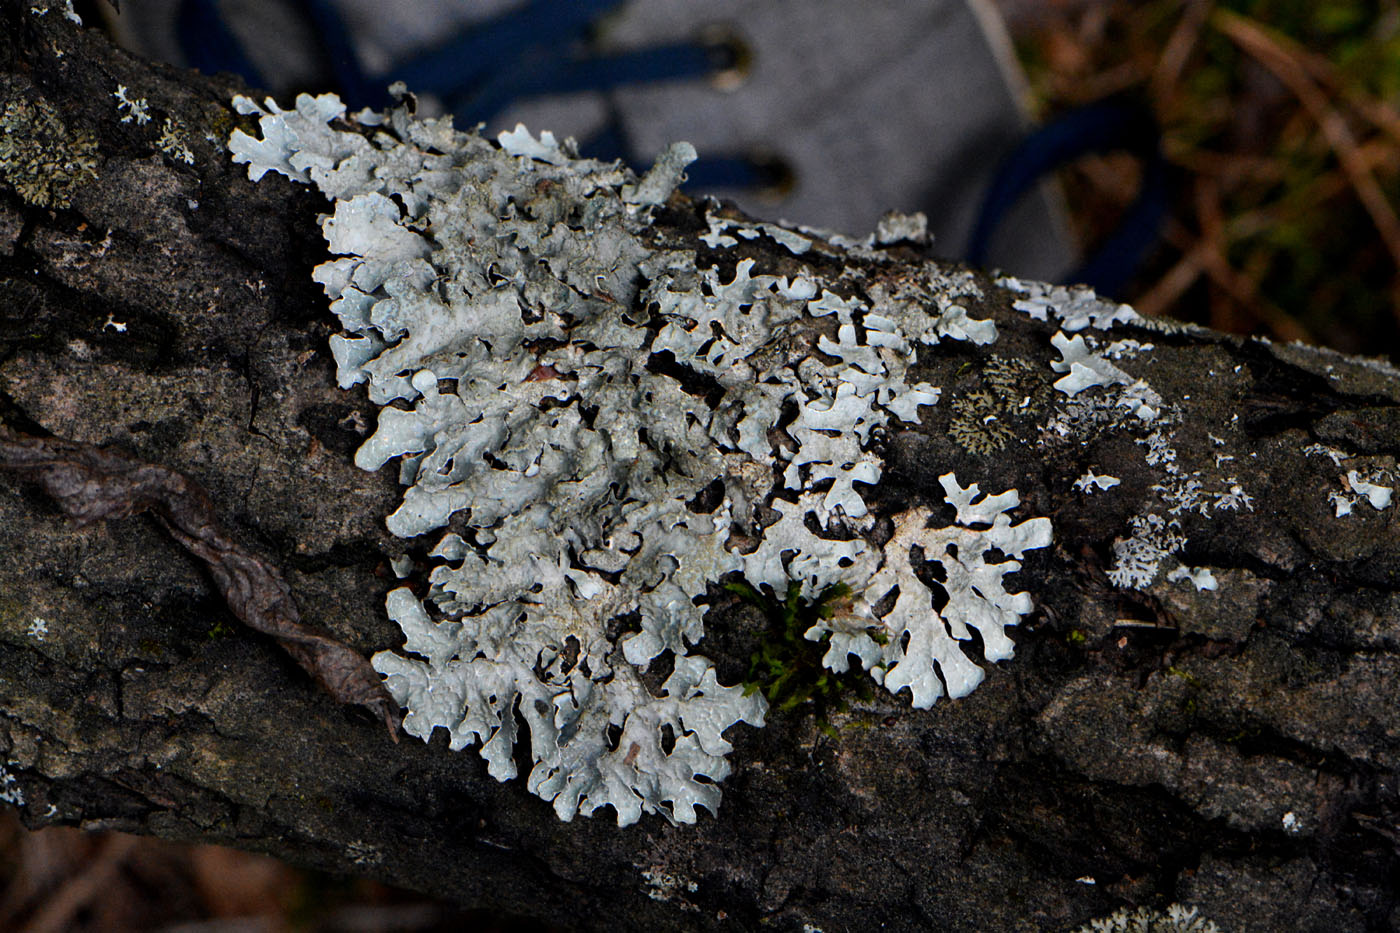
1211, 220
1172, 285
1375, 110
1176, 53
57, 915
1258, 42
1215, 265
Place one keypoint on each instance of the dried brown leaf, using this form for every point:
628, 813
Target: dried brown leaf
93, 483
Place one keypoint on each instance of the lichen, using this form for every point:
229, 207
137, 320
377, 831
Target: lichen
1177, 918
40, 157
610, 430
1091, 481
172, 141
42, 7
132, 109
1200, 577
979, 423
895, 227
920, 648
1015, 383
985, 420
668, 887
10, 790
1083, 367
1075, 307
1138, 558
1357, 489
717, 237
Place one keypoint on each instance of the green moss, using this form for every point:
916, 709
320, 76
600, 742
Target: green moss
220, 629
1191, 679
786, 667
39, 157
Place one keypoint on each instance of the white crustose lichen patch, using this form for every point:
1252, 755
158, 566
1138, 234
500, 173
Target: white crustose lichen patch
597, 419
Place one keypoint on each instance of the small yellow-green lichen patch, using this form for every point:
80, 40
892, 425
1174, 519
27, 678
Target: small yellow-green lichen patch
39, 157
979, 423
982, 420
1015, 383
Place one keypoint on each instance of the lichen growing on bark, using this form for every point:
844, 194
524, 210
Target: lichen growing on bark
40, 157
566, 396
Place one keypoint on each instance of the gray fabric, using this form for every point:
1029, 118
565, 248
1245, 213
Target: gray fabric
879, 105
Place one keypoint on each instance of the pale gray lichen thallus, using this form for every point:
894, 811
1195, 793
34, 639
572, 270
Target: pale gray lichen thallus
487, 291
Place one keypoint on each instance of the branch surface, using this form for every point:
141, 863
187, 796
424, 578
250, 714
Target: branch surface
1236, 749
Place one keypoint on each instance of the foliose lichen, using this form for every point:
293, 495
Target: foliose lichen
1092, 481
40, 157
1357, 489
1076, 307
1177, 918
1138, 559
1156, 540
985, 420
10, 790
601, 430
979, 423
133, 109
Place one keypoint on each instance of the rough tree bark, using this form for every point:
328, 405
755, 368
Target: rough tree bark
1237, 750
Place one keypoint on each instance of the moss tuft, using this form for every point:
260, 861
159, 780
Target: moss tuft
787, 667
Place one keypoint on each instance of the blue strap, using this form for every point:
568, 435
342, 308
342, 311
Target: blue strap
209, 45
1106, 126
550, 73
530, 51
540, 29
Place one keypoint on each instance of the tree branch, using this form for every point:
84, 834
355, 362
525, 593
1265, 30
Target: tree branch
1233, 748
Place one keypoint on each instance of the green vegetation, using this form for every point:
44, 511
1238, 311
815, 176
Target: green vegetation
221, 628
1282, 121
787, 667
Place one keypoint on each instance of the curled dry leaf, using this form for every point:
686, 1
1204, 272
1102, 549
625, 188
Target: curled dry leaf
93, 483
